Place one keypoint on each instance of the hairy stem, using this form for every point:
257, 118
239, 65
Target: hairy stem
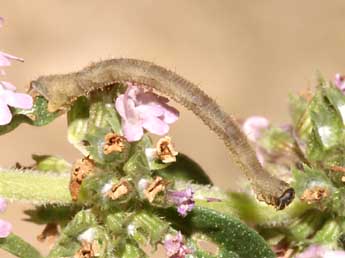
34, 186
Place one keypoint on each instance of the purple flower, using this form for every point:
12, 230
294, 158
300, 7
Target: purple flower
317, 251
339, 81
183, 200
140, 109
5, 227
174, 246
8, 97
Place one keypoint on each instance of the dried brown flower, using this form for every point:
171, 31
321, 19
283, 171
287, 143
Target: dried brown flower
87, 250
165, 150
314, 194
81, 168
158, 185
120, 189
113, 143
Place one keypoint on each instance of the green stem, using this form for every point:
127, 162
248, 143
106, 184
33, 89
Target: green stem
18, 247
34, 186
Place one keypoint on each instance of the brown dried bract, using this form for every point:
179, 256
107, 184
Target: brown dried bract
87, 250
165, 150
49, 233
120, 189
314, 194
113, 143
81, 168
158, 185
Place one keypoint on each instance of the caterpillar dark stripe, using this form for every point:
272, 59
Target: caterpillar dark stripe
61, 90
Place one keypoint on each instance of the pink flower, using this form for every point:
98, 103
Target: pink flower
253, 127
5, 227
174, 246
317, 251
8, 97
339, 81
140, 109
183, 200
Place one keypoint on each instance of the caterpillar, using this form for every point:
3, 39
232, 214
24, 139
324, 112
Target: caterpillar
60, 91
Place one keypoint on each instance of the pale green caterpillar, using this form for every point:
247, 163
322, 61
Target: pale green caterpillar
61, 90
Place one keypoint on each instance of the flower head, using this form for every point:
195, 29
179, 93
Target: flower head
184, 200
174, 246
5, 226
317, 251
140, 109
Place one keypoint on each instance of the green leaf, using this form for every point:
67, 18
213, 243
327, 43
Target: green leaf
298, 108
18, 247
185, 169
233, 238
37, 116
67, 244
337, 99
51, 163
326, 122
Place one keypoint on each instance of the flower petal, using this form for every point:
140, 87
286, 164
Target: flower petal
170, 115
132, 131
5, 114
120, 106
5, 228
8, 85
18, 100
155, 125
151, 110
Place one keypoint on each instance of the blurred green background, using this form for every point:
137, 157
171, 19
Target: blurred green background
248, 55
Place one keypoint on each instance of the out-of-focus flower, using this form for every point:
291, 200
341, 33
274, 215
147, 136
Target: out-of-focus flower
253, 127
184, 200
174, 246
339, 81
317, 251
140, 109
5, 226
8, 97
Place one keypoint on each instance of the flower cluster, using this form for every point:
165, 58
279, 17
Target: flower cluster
184, 200
140, 109
174, 246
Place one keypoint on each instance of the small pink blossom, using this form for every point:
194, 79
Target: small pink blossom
339, 82
253, 127
5, 226
317, 251
140, 109
174, 246
184, 200
8, 97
